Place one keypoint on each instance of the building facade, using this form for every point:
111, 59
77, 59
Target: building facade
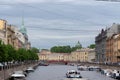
107, 44
113, 49
91, 55
100, 48
81, 55
3, 29
9, 34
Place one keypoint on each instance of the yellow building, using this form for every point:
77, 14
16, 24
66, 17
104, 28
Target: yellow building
67, 57
12, 38
47, 55
10, 35
116, 55
80, 55
113, 49
55, 57
43, 54
91, 55
42, 57
83, 55
3, 25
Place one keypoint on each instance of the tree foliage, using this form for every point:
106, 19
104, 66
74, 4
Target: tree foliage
92, 46
65, 49
61, 49
9, 53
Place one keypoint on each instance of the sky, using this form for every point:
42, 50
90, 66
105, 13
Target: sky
60, 22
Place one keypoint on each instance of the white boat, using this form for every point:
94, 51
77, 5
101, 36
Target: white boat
73, 74
116, 74
29, 69
18, 74
82, 68
76, 79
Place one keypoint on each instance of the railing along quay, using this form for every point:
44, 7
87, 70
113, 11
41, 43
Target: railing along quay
7, 70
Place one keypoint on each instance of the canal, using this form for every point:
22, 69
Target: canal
57, 72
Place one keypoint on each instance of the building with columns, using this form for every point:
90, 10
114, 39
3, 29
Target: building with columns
83, 55
80, 55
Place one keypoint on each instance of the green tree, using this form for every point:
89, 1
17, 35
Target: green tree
35, 50
11, 52
61, 49
92, 46
3, 53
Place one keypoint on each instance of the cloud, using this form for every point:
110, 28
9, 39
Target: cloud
50, 22
82, 2
42, 36
41, 1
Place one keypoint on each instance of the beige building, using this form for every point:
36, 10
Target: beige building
82, 55
9, 34
67, 57
47, 55
28, 45
3, 27
116, 50
43, 54
113, 49
55, 57
91, 55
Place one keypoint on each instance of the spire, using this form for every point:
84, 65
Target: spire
22, 22
23, 29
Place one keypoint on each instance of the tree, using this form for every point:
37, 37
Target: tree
92, 46
3, 53
35, 50
61, 49
11, 53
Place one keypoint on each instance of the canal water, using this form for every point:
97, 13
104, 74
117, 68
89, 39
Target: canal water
57, 72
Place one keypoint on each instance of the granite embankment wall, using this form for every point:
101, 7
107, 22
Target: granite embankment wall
6, 73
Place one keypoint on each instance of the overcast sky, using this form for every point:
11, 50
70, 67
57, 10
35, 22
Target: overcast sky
60, 22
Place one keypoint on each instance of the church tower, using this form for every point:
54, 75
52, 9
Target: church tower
23, 29
24, 32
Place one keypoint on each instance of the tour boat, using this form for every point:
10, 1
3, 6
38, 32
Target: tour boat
73, 74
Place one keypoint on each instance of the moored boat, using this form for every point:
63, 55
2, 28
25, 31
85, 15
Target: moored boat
29, 69
73, 74
18, 75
